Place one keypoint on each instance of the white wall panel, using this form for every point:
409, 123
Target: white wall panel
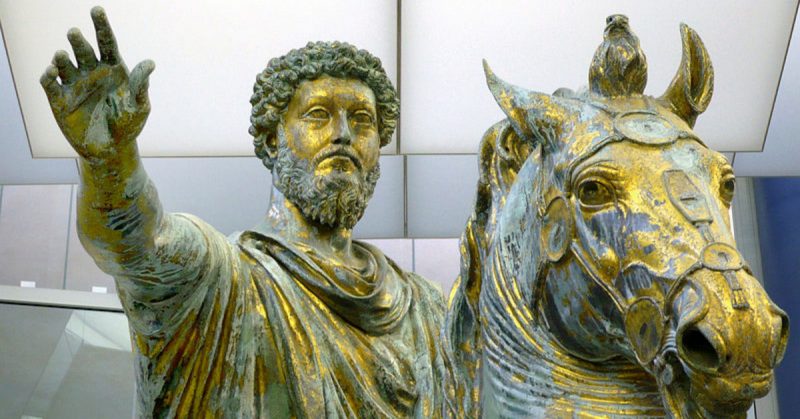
207, 55
384, 215
441, 194
544, 45
438, 260
230, 193
33, 234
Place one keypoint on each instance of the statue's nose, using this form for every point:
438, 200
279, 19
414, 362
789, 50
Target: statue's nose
342, 134
783, 337
701, 347
726, 338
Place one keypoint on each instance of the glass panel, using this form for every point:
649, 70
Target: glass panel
61, 363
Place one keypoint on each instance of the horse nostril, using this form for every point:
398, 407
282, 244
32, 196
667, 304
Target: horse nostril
698, 351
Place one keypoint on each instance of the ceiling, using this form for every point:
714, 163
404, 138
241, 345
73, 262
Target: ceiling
420, 42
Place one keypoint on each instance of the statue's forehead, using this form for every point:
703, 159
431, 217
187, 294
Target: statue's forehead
326, 86
638, 120
645, 161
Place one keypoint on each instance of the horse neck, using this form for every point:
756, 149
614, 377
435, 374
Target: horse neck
525, 368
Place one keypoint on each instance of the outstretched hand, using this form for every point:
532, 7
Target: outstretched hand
99, 106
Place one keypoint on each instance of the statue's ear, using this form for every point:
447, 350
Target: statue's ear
690, 91
271, 145
267, 148
537, 118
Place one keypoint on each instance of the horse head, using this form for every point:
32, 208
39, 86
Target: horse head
601, 254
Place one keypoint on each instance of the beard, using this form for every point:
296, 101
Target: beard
335, 199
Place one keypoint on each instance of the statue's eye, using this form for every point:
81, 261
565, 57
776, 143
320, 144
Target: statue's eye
727, 189
317, 113
362, 117
593, 193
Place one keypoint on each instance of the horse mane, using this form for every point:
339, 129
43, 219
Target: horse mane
501, 156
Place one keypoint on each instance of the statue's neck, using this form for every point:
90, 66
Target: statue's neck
285, 219
524, 367
558, 384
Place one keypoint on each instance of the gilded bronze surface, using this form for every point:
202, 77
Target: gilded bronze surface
291, 319
599, 275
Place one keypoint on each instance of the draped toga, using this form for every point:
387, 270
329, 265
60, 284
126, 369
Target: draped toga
258, 327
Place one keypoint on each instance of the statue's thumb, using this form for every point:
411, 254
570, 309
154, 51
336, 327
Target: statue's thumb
140, 80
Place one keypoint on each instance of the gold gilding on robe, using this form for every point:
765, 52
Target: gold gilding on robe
260, 328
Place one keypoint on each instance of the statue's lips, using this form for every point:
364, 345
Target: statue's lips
340, 153
716, 398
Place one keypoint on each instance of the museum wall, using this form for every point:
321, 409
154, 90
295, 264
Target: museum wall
778, 205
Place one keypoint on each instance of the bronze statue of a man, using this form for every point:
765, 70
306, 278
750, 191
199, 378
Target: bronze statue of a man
293, 320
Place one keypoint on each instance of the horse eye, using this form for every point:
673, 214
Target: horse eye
593, 193
727, 189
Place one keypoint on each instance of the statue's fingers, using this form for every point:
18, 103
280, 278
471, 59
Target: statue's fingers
66, 70
140, 80
84, 54
106, 42
51, 87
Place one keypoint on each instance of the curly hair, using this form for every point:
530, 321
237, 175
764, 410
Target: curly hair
276, 85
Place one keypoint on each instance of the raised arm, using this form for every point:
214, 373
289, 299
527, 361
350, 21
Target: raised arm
101, 108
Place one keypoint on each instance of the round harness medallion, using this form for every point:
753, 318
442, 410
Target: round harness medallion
646, 128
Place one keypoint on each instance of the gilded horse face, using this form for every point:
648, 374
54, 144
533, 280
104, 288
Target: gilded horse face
631, 203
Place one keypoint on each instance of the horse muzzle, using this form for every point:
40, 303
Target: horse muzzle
729, 336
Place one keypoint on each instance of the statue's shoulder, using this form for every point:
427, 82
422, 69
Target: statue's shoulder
257, 248
425, 289
430, 289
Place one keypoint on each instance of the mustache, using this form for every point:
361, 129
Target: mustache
337, 150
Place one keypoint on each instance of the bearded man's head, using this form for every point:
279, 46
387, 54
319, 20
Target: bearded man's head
336, 198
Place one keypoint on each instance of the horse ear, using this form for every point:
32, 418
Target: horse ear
690, 91
535, 117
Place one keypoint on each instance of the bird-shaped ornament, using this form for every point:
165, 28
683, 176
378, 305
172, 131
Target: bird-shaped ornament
619, 67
